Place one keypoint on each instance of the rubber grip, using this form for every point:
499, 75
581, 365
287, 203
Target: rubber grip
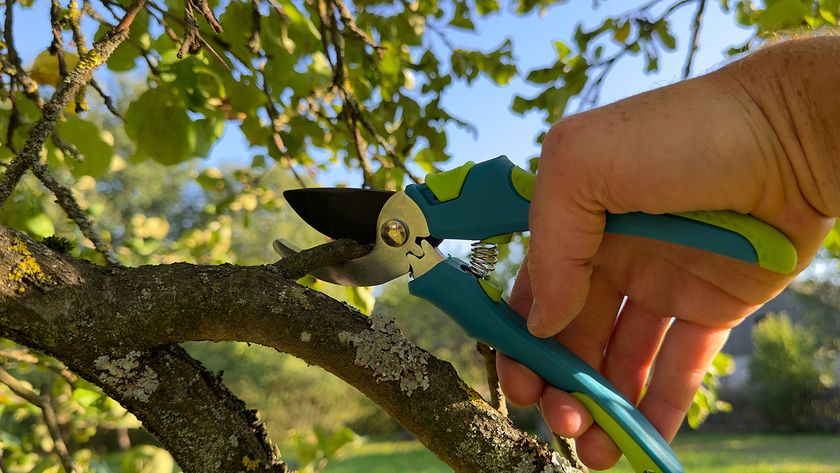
459, 294
493, 198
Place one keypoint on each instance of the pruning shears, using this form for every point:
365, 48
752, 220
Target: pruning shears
487, 202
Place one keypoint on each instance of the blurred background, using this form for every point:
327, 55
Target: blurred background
502, 73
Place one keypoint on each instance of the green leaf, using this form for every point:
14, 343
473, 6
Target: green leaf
90, 141
622, 32
337, 440
781, 15
651, 62
207, 133
85, 397
461, 17
521, 104
484, 7
40, 225
158, 124
124, 58
562, 49
545, 76
668, 40
361, 298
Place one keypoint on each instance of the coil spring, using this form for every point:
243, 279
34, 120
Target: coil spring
483, 258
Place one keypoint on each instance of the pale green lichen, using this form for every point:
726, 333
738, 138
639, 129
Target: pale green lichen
305, 336
389, 354
27, 269
123, 374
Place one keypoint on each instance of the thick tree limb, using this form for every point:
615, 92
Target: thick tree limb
66, 91
108, 324
163, 386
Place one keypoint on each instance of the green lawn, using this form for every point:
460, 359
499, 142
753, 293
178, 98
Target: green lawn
700, 453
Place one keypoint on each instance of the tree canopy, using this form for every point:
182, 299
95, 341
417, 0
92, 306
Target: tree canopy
105, 192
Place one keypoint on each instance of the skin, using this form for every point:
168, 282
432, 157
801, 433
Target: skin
760, 137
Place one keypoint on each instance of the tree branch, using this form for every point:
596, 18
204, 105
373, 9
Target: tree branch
497, 397
297, 266
695, 34
81, 313
65, 92
64, 198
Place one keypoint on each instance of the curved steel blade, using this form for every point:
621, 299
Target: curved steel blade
384, 262
340, 212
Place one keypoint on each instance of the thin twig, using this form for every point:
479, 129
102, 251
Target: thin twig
361, 153
109, 102
14, 66
64, 198
350, 107
190, 43
350, 24
591, 94
64, 93
208, 15
87, 9
497, 397
43, 402
328, 254
256, 20
65, 147
22, 355
695, 34
57, 44
74, 16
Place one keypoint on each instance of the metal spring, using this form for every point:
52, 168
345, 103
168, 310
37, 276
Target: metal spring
483, 258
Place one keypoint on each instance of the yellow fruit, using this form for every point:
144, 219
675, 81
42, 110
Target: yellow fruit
45, 68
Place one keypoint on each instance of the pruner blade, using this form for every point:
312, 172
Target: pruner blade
388, 259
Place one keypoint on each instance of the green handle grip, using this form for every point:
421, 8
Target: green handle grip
480, 201
461, 296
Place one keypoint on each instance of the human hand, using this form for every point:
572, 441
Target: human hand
757, 137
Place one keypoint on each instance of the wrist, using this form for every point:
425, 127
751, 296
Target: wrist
792, 87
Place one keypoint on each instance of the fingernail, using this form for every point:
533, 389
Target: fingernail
534, 317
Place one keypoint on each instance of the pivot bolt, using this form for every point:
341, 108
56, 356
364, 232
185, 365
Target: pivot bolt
394, 233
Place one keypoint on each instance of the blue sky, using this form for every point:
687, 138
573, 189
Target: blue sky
482, 103
487, 106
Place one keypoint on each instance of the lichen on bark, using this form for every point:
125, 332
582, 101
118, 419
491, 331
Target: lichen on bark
385, 350
27, 269
125, 374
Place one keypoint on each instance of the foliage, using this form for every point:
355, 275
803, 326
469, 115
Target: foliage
310, 88
706, 400
84, 414
783, 370
291, 395
315, 449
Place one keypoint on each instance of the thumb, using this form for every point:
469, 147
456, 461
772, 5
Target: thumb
567, 225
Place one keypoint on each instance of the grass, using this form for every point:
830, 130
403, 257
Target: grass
700, 453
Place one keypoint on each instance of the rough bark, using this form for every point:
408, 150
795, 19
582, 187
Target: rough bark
118, 327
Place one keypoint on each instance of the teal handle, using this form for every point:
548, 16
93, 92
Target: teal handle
459, 294
492, 198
